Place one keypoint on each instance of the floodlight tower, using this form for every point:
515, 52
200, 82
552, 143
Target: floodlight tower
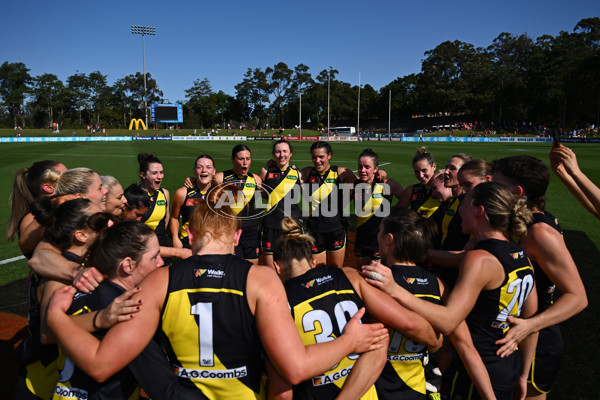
144, 30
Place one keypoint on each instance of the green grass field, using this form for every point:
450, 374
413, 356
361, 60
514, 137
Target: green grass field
119, 159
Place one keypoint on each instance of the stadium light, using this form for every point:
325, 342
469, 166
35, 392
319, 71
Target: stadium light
144, 30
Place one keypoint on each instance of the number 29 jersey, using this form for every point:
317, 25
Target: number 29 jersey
208, 330
322, 301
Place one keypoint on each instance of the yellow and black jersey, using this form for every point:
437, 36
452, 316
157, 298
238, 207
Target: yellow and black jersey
421, 200
371, 202
74, 383
326, 201
245, 210
322, 301
488, 319
208, 330
546, 289
282, 187
404, 374
156, 215
192, 197
39, 372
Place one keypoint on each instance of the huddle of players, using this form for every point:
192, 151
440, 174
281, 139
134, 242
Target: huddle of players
403, 371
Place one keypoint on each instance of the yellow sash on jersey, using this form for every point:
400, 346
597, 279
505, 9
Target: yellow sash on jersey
324, 190
372, 205
429, 206
248, 191
282, 189
448, 217
159, 211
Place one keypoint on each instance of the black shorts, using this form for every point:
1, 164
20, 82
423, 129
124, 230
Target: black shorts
247, 247
329, 241
544, 368
366, 253
457, 385
268, 238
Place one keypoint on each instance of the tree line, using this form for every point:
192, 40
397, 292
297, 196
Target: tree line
551, 80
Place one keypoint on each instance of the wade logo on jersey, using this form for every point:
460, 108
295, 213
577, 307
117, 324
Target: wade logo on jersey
517, 255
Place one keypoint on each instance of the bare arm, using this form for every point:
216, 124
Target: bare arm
404, 201
346, 175
31, 233
544, 244
463, 344
284, 347
396, 189
178, 199
564, 163
47, 261
474, 276
387, 310
122, 343
365, 372
175, 252
167, 211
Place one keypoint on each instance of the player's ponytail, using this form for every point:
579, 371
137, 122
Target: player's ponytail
293, 244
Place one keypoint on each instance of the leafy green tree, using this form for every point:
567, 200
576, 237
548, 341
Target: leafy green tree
15, 84
198, 98
444, 87
47, 91
79, 93
135, 88
510, 56
279, 81
99, 93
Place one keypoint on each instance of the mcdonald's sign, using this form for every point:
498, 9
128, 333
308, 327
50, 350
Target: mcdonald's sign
137, 122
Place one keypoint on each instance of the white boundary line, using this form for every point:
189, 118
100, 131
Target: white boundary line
381, 165
9, 260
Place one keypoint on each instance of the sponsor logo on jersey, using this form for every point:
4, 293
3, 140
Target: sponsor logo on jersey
500, 325
330, 378
79, 295
329, 180
190, 202
293, 178
270, 175
63, 392
517, 255
318, 281
313, 179
413, 357
161, 203
418, 281
233, 373
250, 185
551, 289
210, 273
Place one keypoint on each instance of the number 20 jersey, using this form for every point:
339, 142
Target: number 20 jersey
322, 301
208, 330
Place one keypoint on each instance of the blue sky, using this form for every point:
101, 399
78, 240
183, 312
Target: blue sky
220, 40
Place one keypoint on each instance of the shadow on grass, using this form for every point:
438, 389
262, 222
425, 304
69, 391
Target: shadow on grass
580, 368
13, 297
